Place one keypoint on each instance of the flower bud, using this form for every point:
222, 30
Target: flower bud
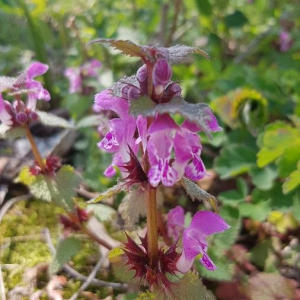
133, 93
21, 118
33, 115
162, 72
142, 73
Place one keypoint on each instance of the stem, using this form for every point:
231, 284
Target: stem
35, 149
95, 238
152, 225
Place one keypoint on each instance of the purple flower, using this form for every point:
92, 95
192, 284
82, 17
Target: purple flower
77, 75
18, 113
73, 74
204, 224
285, 41
175, 222
37, 90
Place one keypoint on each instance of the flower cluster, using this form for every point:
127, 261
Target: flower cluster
203, 224
18, 113
173, 150
77, 76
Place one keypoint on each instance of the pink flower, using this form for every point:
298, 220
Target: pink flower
77, 75
18, 113
175, 222
285, 41
204, 224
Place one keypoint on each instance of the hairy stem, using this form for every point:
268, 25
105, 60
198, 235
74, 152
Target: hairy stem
35, 149
152, 225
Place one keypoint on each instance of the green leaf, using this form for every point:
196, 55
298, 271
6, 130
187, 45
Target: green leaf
132, 207
66, 249
224, 271
93, 120
204, 7
126, 47
178, 53
263, 178
196, 193
292, 181
276, 138
7, 132
236, 19
287, 163
234, 160
258, 212
59, 188
146, 296
109, 193
52, 120
190, 287
296, 205
102, 212
260, 253
197, 113
115, 252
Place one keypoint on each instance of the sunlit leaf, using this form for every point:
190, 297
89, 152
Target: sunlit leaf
178, 53
52, 120
292, 181
109, 193
102, 212
66, 249
7, 132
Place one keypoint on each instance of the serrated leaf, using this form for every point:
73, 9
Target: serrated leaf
292, 181
90, 121
234, 160
52, 120
109, 193
132, 207
196, 193
66, 249
197, 113
6, 83
126, 47
59, 188
276, 138
7, 132
190, 287
264, 286
102, 212
287, 163
260, 253
178, 53
263, 178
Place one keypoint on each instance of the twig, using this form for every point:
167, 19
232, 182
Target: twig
174, 23
89, 278
163, 23
73, 273
10, 203
2, 287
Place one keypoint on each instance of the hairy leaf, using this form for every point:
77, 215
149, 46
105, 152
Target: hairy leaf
109, 193
132, 207
66, 249
126, 80
102, 212
198, 113
178, 53
7, 132
196, 193
93, 120
52, 120
59, 188
126, 47
189, 287
6, 83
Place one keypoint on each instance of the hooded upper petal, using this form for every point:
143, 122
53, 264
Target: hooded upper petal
107, 101
36, 69
175, 222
